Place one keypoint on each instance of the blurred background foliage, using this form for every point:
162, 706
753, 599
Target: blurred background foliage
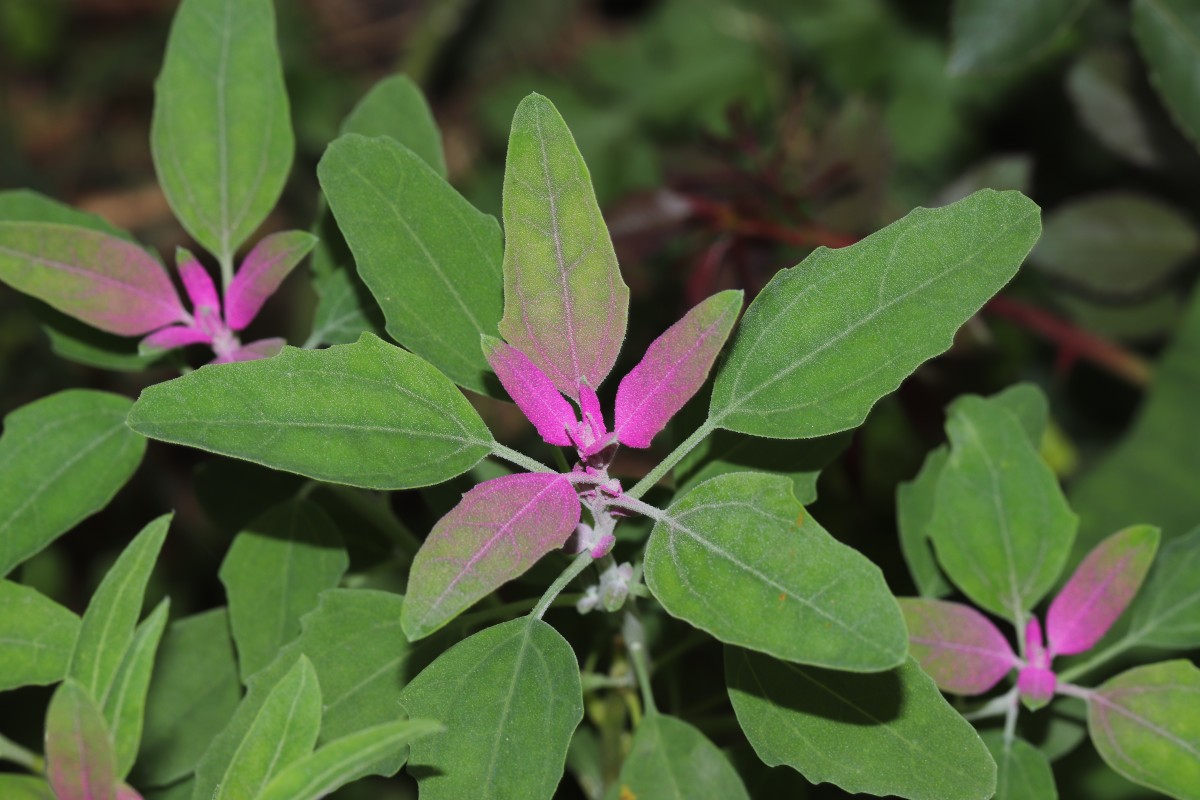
726, 139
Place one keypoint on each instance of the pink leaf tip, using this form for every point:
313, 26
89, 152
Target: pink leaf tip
198, 284
1037, 686
590, 434
532, 391
261, 273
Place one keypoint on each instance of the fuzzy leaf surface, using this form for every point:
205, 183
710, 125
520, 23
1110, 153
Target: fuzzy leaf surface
80, 762
1022, 771
37, 636
957, 646
261, 272
532, 391
395, 107
125, 704
670, 759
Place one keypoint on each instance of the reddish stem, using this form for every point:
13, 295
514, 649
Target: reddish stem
724, 217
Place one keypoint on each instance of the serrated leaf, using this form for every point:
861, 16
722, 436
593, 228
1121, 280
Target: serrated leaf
367, 414
955, 645
1168, 34
890, 733
873, 311
510, 697
499, 530
418, 245
739, 558
670, 759
192, 695
37, 636
395, 107
1143, 724
80, 762
221, 134
125, 704
1022, 772
565, 303
1099, 87
1002, 35
1166, 613
273, 574
108, 624
347, 759
1001, 526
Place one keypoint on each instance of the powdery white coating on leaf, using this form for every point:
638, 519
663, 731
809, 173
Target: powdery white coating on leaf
261, 272
496, 532
1100, 590
674, 368
532, 391
956, 645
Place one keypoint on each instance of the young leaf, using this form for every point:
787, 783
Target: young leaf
532, 391
1143, 724
80, 762
125, 705
418, 246
108, 624
670, 759
510, 698
62, 458
107, 282
367, 414
1100, 590
890, 733
739, 558
674, 368
565, 304
957, 646
1028, 404
1002, 35
283, 731
1168, 34
221, 134
347, 759
261, 272
396, 108
37, 636
1001, 526
825, 340
192, 695
1022, 771
1166, 613
273, 574
498, 531
914, 510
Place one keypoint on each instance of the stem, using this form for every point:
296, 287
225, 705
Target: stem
637, 506
1010, 719
1071, 690
226, 262
11, 751
1112, 651
994, 707
520, 459
569, 574
685, 447
517, 607
635, 641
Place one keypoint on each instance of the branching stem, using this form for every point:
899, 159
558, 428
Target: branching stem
676, 455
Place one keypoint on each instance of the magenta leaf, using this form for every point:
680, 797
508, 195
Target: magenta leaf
674, 368
497, 531
197, 283
261, 348
1100, 590
532, 391
107, 282
81, 763
956, 645
173, 336
261, 273
127, 792
590, 435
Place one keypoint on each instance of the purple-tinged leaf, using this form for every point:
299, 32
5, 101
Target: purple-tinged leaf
590, 435
1100, 590
173, 336
261, 273
260, 348
197, 283
107, 282
956, 645
127, 792
674, 368
532, 391
1036, 681
497, 531
80, 761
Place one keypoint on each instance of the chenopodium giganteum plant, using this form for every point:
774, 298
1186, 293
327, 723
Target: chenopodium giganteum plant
1002, 532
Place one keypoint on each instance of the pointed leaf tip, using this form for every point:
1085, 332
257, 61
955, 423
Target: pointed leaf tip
197, 283
532, 391
262, 272
957, 646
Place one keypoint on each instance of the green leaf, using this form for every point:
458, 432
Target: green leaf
565, 304
395, 107
221, 135
873, 311
670, 759
368, 414
1028, 404
273, 574
1166, 613
25, 205
890, 733
125, 704
25, 787
283, 731
1168, 34
1143, 724
1001, 526
192, 695
37, 636
510, 698
1001, 35
345, 308
999, 172
335, 765
62, 458
1022, 772
107, 630
80, 762
738, 557
1100, 87
914, 510
418, 246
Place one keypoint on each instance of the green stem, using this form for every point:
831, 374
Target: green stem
226, 263
11, 751
569, 574
664, 466
1108, 653
517, 607
635, 642
994, 707
1010, 718
520, 459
